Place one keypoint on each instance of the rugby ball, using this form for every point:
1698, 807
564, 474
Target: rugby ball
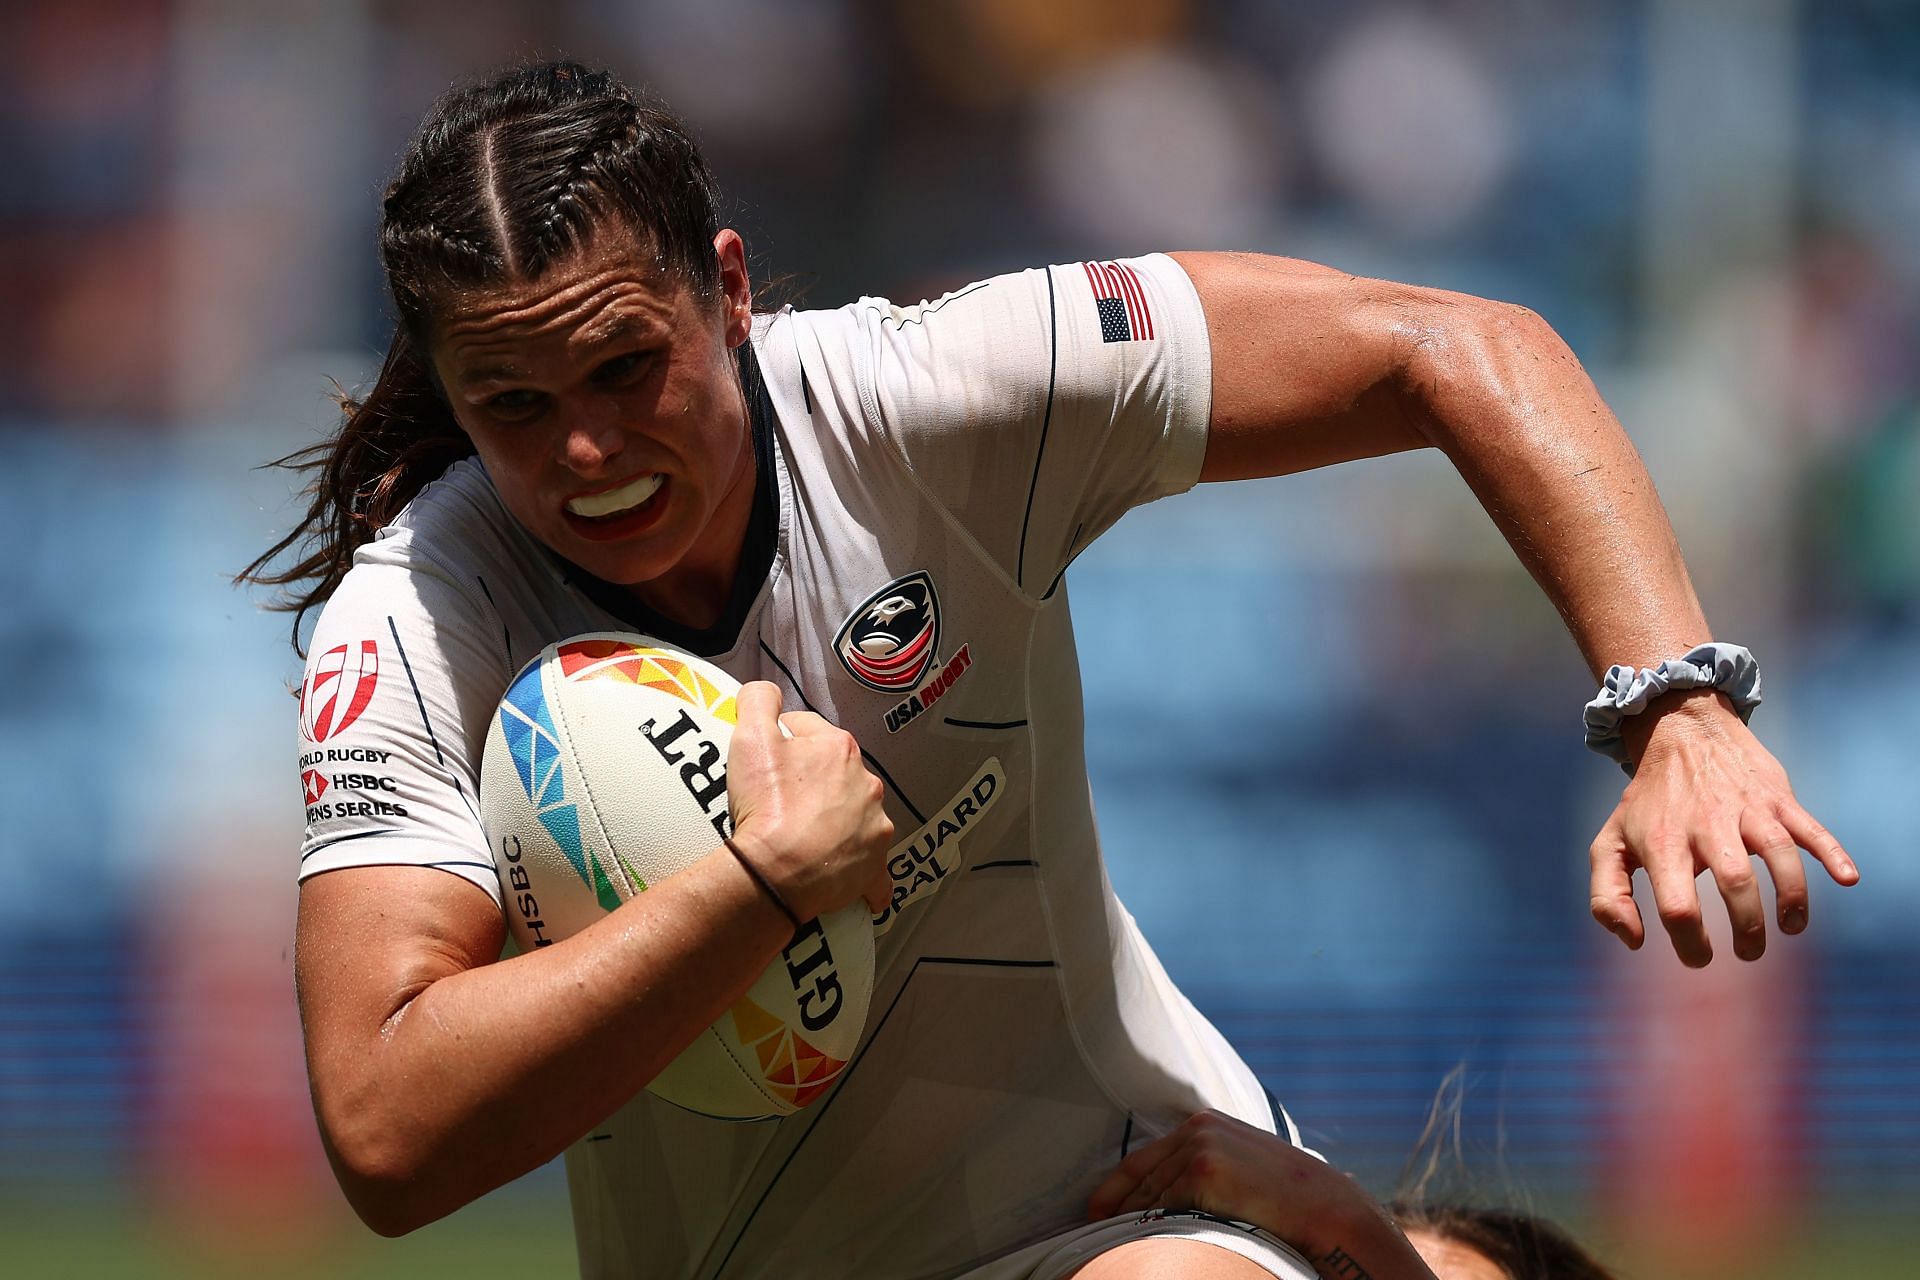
604, 773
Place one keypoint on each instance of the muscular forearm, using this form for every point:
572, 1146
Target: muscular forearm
483, 1073
1506, 400
1520, 419
1373, 1250
1326, 1215
1312, 367
439, 1073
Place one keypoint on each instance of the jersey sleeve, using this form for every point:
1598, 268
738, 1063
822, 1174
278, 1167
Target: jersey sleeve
402, 678
1037, 408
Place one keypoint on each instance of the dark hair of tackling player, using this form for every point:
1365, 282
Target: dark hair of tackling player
1522, 1245
503, 178
1438, 1197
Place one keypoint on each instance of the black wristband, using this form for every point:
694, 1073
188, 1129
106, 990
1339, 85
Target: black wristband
762, 881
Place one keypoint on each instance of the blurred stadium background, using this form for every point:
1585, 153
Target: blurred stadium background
1363, 854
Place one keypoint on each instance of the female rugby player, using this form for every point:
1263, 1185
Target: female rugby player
866, 513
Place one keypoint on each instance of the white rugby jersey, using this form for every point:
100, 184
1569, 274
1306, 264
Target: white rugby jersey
927, 473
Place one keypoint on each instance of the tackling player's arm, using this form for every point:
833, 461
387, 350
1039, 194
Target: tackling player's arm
1312, 367
439, 1075
1230, 1169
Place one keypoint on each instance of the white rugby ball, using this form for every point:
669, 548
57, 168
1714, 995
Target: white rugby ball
604, 773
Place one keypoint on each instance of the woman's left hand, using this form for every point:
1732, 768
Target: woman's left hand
1706, 796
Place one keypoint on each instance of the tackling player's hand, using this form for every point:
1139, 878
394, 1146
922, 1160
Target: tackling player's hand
806, 810
1230, 1169
1707, 796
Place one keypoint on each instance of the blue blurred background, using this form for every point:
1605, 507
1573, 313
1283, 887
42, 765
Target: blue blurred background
1366, 857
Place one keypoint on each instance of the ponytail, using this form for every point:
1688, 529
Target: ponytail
390, 444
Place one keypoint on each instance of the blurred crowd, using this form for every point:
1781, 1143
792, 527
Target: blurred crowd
1713, 202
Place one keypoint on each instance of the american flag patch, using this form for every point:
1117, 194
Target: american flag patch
1121, 301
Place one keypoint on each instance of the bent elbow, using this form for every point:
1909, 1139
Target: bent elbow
382, 1178
386, 1218
1475, 364
387, 1210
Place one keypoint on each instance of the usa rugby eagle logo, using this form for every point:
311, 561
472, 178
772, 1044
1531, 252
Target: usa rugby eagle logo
889, 640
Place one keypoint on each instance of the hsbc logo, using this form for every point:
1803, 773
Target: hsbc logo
314, 783
892, 637
338, 687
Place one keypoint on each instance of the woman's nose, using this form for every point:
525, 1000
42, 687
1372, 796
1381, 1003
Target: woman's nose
593, 439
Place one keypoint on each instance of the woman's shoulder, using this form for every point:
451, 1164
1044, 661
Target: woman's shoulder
456, 524
457, 505
455, 533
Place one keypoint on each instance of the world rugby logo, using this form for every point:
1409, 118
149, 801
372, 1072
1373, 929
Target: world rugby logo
890, 639
338, 687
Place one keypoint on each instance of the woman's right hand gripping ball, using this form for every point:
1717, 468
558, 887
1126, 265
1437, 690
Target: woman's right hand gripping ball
806, 810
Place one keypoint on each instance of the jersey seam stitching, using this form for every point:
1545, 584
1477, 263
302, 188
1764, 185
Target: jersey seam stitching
863, 372
305, 872
1046, 905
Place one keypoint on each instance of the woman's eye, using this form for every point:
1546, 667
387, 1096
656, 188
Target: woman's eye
617, 368
514, 402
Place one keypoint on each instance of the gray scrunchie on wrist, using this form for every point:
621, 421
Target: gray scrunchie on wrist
1626, 691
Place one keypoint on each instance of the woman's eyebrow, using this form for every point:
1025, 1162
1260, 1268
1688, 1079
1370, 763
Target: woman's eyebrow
616, 329
492, 371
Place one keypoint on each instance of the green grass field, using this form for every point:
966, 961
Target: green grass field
501, 1235
518, 1235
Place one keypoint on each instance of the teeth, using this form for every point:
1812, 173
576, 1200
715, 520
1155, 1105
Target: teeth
614, 501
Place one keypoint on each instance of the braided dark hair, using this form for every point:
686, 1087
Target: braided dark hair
504, 178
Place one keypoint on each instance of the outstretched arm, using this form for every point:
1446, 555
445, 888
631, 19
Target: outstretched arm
1313, 367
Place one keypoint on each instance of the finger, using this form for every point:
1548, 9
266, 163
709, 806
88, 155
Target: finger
1610, 885
1770, 842
1129, 1173
756, 706
1739, 888
1151, 1191
1819, 842
805, 724
879, 894
1669, 864
1184, 1192
1114, 1190
1106, 1198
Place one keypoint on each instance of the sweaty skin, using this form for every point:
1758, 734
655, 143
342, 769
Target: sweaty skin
415, 1037
600, 373
605, 373
1312, 367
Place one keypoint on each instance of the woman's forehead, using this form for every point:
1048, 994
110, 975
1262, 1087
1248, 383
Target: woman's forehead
1450, 1259
589, 298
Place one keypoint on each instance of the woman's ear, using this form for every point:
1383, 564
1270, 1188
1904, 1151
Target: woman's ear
736, 288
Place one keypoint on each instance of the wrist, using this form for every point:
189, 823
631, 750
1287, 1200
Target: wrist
1680, 712
762, 867
1363, 1236
1343, 1214
1616, 725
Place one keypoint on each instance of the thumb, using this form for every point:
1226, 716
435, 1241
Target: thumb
757, 708
879, 893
